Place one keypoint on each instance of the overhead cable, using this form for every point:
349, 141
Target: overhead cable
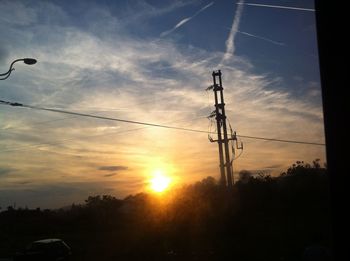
16, 104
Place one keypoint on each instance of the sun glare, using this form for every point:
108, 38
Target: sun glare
160, 181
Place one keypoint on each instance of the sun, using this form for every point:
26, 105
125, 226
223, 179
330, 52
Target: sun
160, 182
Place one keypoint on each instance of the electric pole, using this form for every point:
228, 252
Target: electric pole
226, 172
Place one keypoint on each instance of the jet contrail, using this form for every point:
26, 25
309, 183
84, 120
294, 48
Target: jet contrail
230, 47
278, 6
262, 38
183, 21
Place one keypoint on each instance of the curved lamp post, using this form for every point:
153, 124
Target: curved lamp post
29, 61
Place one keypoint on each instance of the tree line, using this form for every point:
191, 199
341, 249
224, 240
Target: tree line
261, 218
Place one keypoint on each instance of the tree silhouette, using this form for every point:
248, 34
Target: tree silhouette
262, 218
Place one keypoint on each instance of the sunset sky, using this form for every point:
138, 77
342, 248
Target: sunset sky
150, 61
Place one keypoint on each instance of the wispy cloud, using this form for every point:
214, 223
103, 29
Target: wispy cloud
110, 175
183, 21
230, 42
5, 171
273, 166
113, 168
279, 7
15, 12
141, 10
3, 53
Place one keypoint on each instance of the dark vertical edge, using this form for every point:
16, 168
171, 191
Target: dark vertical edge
331, 34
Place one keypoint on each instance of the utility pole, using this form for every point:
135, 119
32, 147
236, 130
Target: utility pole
226, 172
218, 117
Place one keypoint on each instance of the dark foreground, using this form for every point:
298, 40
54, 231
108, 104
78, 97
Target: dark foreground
263, 218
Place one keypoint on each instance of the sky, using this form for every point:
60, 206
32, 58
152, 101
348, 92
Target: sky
151, 61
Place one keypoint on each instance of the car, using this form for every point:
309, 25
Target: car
50, 249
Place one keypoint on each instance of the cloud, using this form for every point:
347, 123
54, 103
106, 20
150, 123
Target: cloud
185, 20
15, 12
276, 166
110, 175
63, 194
142, 10
3, 53
6, 171
25, 182
230, 42
113, 168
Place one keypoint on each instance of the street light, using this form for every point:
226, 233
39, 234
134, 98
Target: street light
28, 61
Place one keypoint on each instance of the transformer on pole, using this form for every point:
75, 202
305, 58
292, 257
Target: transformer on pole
226, 168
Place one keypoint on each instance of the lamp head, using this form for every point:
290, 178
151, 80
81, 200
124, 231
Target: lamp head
29, 61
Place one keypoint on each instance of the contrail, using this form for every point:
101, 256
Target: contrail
230, 47
262, 38
279, 6
183, 21
275, 42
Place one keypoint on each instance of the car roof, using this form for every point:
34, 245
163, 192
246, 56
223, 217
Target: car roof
48, 240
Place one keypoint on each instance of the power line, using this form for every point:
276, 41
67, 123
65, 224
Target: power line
38, 145
16, 104
97, 116
281, 140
